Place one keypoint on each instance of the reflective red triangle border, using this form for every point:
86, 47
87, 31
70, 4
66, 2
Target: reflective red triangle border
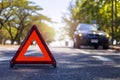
19, 57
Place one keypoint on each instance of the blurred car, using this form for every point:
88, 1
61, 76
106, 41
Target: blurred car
88, 34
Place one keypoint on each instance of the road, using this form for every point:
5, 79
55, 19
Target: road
72, 64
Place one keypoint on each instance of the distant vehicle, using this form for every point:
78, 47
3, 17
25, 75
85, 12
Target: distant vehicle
88, 34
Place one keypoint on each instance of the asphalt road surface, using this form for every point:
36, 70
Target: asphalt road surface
72, 64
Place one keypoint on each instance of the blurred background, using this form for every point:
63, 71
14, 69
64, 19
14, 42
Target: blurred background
57, 19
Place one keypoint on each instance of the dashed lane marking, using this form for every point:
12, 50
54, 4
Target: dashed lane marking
97, 57
5, 58
102, 58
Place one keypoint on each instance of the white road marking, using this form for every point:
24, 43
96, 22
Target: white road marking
97, 57
34, 53
85, 52
5, 58
102, 58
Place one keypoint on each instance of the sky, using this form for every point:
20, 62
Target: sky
53, 8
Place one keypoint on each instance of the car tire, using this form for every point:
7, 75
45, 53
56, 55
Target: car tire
105, 47
96, 46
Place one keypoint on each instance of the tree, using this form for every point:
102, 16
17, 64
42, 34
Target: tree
4, 7
22, 12
17, 17
85, 11
47, 32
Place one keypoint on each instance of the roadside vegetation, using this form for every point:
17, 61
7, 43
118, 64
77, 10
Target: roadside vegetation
99, 12
17, 18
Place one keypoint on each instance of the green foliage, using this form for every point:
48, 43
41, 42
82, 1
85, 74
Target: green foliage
18, 16
47, 32
85, 11
6, 33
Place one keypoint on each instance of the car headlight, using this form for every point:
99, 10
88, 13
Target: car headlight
80, 34
107, 35
101, 33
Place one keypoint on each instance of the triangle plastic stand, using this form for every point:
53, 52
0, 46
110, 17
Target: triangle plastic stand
20, 58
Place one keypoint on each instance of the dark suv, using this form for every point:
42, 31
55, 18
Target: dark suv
87, 34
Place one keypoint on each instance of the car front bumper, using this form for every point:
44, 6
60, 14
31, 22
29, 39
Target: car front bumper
93, 41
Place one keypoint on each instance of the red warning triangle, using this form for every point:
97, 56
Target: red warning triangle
20, 58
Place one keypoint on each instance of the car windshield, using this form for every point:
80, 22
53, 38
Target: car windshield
86, 27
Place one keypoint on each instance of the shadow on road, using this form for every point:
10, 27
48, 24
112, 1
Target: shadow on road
70, 67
